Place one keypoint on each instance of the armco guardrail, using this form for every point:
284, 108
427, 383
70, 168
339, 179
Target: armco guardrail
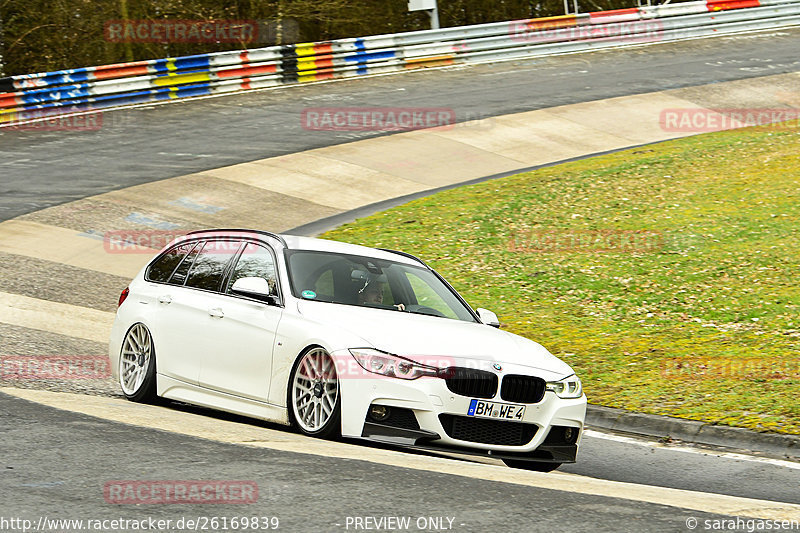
34, 95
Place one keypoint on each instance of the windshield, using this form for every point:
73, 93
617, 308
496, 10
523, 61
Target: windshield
370, 282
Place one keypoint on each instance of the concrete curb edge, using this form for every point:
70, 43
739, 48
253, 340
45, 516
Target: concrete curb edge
692, 431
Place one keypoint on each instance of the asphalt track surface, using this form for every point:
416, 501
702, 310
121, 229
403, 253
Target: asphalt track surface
40, 168
306, 493
56, 462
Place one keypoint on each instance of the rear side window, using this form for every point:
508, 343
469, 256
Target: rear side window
208, 269
161, 269
179, 276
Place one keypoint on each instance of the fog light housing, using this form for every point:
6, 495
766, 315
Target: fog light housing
379, 413
570, 435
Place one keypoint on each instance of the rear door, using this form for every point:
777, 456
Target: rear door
186, 301
165, 300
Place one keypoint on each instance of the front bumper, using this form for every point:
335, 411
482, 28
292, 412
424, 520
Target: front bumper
429, 398
552, 450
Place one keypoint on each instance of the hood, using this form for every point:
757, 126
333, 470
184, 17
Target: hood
420, 337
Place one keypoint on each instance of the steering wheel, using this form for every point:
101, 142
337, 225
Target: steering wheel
424, 310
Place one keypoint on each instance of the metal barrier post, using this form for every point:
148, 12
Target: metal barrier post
426, 5
435, 17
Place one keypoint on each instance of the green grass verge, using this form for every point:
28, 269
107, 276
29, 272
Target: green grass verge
694, 316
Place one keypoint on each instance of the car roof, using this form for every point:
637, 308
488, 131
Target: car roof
296, 242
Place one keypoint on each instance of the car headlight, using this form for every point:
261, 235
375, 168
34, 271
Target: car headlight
390, 365
569, 387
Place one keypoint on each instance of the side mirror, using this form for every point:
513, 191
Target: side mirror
257, 288
487, 317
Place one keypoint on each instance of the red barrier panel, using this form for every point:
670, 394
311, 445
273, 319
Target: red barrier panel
119, 71
246, 71
615, 15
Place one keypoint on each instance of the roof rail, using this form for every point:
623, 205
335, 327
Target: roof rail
405, 254
267, 233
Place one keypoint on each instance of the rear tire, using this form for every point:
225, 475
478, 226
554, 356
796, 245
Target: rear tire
535, 466
315, 402
137, 365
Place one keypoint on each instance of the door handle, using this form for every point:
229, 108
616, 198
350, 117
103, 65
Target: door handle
165, 299
216, 312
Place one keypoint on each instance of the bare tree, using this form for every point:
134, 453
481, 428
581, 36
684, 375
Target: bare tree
2, 46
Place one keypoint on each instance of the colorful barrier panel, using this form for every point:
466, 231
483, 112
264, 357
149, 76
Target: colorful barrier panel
30, 96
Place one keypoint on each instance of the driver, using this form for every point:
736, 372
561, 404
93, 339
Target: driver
373, 289
371, 293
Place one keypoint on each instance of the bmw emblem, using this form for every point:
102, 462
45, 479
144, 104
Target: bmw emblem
497, 367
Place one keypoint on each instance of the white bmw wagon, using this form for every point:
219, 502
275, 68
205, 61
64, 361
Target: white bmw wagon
340, 340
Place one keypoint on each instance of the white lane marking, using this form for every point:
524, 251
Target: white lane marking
60, 318
215, 429
687, 449
181, 154
67, 246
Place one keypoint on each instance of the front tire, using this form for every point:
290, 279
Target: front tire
137, 365
531, 465
314, 395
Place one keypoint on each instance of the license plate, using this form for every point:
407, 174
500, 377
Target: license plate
500, 411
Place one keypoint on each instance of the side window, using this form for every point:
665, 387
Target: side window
255, 262
324, 284
163, 267
209, 267
179, 276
